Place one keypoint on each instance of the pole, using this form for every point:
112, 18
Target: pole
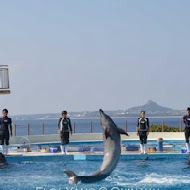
91, 127
180, 125
28, 129
74, 125
126, 126
42, 128
163, 126
15, 130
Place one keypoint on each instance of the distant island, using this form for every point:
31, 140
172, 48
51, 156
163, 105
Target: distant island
152, 110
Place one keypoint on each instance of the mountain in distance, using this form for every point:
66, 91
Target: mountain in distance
152, 107
152, 110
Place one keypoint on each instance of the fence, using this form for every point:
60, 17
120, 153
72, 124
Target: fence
90, 130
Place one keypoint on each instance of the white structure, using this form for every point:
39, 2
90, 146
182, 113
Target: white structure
4, 79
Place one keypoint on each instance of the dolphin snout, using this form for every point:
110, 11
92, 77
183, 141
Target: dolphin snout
101, 111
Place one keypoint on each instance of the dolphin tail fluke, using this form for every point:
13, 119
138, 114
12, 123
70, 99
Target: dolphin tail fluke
73, 179
122, 132
70, 173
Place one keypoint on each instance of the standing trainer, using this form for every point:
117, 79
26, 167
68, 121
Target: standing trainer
64, 126
143, 131
186, 120
5, 131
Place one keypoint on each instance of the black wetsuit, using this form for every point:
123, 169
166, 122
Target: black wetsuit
143, 126
66, 127
186, 120
5, 123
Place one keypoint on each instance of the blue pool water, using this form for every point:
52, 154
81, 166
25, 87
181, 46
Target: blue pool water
27, 173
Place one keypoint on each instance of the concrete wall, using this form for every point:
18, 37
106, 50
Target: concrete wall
95, 137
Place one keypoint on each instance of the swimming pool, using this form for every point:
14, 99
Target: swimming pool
160, 171
45, 172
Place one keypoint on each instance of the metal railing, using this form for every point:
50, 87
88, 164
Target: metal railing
28, 128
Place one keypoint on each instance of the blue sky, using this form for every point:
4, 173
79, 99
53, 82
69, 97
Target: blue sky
85, 55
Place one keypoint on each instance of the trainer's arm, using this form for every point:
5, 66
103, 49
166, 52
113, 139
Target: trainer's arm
58, 124
184, 120
70, 126
137, 128
11, 127
148, 126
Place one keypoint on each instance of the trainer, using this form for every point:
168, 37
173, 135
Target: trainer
64, 126
5, 131
143, 131
186, 120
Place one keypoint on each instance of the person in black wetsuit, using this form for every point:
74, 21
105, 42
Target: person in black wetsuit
5, 131
142, 131
64, 127
186, 120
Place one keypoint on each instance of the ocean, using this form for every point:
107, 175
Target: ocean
83, 125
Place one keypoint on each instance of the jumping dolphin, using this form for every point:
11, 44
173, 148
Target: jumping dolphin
112, 151
3, 161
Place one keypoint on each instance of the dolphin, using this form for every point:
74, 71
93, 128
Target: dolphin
3, 161
112, 152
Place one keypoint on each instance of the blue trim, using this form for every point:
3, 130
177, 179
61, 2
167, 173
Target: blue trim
91, 157
80, 157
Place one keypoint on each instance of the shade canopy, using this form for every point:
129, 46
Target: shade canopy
4, 80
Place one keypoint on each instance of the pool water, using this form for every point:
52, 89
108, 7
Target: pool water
129, 174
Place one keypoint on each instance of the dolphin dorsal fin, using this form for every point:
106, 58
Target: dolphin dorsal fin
121, 131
